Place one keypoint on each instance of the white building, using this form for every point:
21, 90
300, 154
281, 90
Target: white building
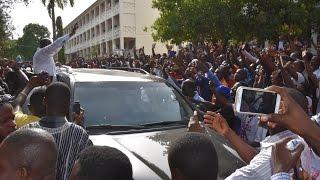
108, 26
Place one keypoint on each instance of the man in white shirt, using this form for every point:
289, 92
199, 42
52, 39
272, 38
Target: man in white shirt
43, 58
259, 165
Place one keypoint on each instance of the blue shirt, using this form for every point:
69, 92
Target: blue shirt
212, 77
203, 83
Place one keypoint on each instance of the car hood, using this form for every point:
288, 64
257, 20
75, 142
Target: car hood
148, 152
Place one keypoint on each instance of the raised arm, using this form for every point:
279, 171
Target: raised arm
287, 79
220, 125
153, 47
295, 119
35, 81
291, 71
249, 56
311, 76
54, 48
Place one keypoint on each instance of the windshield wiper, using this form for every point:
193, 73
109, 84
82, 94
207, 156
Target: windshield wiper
164, 123
113, 127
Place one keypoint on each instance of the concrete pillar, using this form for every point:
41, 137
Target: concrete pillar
112, 22
121, 42
114, 46
101, 49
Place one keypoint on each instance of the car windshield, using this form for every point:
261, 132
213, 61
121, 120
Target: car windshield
130, 103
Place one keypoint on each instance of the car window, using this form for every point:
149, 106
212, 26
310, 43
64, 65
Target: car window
130, 103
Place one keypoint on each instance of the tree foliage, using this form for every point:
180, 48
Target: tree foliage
61, 55
5, 26
51, 4
206, 20
29, 42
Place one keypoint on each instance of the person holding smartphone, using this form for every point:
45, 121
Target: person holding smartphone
259, 165
35, 103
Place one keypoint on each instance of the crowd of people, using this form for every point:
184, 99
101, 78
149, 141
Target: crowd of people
39, 142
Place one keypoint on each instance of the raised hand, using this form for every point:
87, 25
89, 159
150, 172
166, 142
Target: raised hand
291, 115
39, 80
78, 118
194, 125
74, 29
282, 158
217, 123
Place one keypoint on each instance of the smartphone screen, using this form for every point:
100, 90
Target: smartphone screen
258, 102
76, 107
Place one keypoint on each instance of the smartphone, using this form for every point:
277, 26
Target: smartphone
255, 101
76, 107
293, 144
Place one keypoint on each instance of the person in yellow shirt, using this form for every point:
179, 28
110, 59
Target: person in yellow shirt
36, 108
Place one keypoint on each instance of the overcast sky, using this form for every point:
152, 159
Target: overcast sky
36, 12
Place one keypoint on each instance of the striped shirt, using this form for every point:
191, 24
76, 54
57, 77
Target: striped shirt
281, 176
260, 166
71, 139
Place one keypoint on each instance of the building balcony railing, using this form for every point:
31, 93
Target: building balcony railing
116, 8
103, 14
116, 32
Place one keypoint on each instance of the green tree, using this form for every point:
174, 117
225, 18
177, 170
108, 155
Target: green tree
188, 20
271, 18
51, 4
207, 20
61, 55
5, 27
29, 42
10, 49
4, 31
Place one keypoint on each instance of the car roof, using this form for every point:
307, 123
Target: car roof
103, 75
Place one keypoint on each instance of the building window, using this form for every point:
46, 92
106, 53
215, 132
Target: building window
102, 7
92, 15
116, 21
108, 4
97, 30
97, 11
109, 24
103, 27
92, 32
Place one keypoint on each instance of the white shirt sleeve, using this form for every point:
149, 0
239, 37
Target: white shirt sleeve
317, 73
54, 48
300, 79
281, 176
259, 168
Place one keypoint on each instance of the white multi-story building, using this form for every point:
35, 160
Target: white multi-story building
108, 26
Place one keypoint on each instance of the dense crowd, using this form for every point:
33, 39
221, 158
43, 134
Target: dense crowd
40, 143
